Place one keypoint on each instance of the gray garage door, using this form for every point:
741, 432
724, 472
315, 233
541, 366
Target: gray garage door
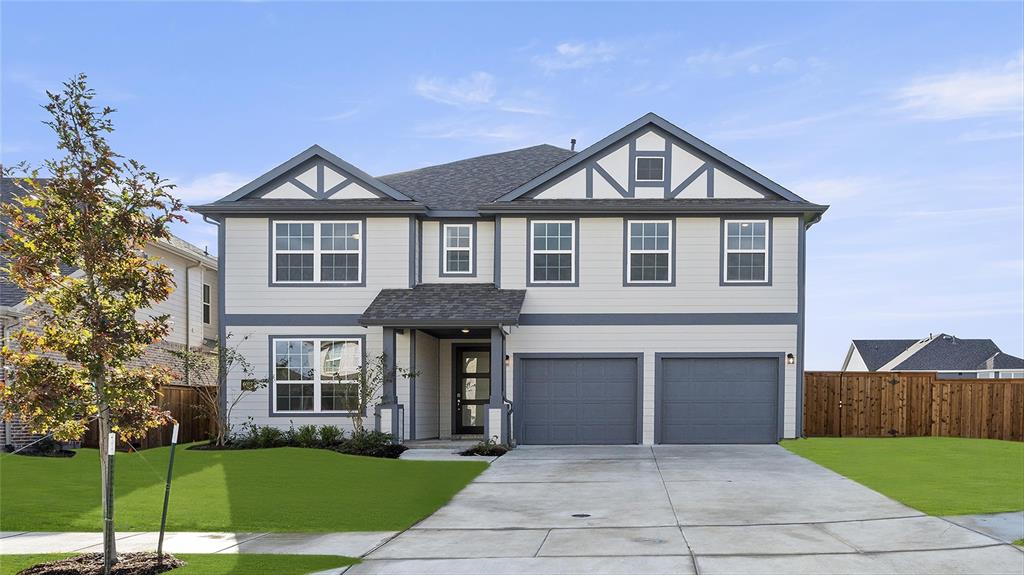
570, 401
719, 400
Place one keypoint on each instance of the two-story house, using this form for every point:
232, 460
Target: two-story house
648, 289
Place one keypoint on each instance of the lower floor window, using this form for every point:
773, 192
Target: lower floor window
316, 374
745, 267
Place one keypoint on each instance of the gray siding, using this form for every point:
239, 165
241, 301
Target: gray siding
427, 390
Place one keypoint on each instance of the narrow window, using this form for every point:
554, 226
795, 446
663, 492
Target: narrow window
458, 249
316, 375
746, 251
650, 252
650, 169
324, 252
207, 303
552, 252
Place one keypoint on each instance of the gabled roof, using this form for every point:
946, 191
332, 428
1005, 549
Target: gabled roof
651, 119
466, 184
878, 352
306, 155
443, 305
1002, 361
946, 352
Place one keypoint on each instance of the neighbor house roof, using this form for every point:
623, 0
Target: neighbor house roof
466, 184
1002, 361
443, 305
946, 352
878, 352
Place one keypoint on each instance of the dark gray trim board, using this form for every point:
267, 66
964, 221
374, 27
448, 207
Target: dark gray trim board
271, 393
473, 241
657, 319
576, 252
413, 374
780, 398
517, 381
671, 253
800, 325
497, 253
770, 254
364, 264
413, 237
222, 324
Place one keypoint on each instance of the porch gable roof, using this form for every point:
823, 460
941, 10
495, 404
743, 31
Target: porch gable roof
445, 305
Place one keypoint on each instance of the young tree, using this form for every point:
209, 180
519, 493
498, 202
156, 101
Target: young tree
202, 372
75, 243
370, 382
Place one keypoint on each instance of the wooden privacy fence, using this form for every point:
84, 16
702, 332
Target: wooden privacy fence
183, 401
871, 404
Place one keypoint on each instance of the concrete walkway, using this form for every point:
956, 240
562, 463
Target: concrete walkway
1008, 527
680, 509
350, 544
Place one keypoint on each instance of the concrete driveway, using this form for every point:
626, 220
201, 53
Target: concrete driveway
680, 509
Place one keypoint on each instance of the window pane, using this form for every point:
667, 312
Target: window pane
552, 267
339, 360
339, 396
650, 169
458, 261
746, 267
294, 397
339, 267
294, 267
294, 236
648, 267
338, 237
293, 360
457, 236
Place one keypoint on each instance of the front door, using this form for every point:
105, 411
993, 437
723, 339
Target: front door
472, 388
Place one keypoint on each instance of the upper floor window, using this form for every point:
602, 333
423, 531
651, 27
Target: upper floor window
650, 169
650, 252
457, 253
207, 303
316, 375
318, 252
746, 251
552, 252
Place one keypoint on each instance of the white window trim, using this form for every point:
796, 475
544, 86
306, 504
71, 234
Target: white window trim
727, 250
316, 251
571, 251
631, 251
207, 309
317, 379
446, 248
636, 168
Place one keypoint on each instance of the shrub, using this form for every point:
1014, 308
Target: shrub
269, 436
488, 447
330, 435
307, 436
45, 447
371, 444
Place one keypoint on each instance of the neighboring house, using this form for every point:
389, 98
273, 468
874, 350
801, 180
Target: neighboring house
192, 306
948, 355
648, 289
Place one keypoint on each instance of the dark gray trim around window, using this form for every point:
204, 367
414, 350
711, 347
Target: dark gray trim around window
473, 240
517, 381
671, 253
780, 397
363, 263
497, 252
768, 257
270, 373
576, 252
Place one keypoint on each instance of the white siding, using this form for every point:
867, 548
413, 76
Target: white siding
729, 187
650, 340
856, 362
698, 270
427, 406
484, 263
185, 298
247, 275
210, 329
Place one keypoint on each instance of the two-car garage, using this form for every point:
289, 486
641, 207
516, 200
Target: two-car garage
596, 399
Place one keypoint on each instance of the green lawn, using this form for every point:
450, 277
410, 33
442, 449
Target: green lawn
937, 475
211, 564
284, 489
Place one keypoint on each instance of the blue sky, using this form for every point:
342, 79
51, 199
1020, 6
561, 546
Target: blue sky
908, 119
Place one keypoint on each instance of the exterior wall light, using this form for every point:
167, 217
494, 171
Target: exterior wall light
465, 331
790, 359
508, 361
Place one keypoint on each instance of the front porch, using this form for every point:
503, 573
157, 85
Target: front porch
450, 338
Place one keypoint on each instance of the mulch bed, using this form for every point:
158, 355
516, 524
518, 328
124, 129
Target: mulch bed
92, 564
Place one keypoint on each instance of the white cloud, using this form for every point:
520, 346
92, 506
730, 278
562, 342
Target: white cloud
970, 93
722, 57
474, 90
827, 190
208, 188
990, 135
344, 115
474, 129
777, 129
574, 56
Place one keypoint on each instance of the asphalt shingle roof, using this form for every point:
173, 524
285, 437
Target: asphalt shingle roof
439, 305
878, 352
946, 352
1002, 361
465, 184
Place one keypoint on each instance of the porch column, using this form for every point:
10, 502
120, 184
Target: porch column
496, 422
389, 413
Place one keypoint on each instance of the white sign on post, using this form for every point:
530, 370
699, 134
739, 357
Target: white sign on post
174, 434
111, 442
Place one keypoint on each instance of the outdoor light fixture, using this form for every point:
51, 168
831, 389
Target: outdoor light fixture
790, 359
465, 331
508, 361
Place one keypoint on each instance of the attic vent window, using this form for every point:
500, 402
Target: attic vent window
650, 169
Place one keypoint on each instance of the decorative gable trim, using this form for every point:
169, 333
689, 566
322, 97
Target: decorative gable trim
296, 170
714, 159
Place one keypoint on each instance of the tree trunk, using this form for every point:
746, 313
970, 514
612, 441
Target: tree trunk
107, 478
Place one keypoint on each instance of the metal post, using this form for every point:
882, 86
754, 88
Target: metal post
108, 511
167, 495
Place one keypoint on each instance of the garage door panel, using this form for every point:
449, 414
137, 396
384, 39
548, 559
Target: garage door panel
719, 400
568, 401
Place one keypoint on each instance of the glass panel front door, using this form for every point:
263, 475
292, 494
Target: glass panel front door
472, 388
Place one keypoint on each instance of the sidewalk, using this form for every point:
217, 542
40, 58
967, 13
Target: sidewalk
349, 544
